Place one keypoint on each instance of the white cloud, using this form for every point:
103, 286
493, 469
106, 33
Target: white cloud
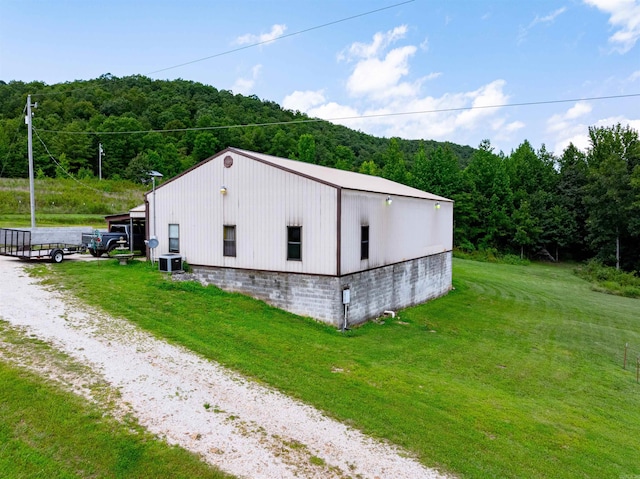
561, 121
514, 126
370, 50
550, 18
384, 100
581, 108
303, 100
634, 76
333, 110
422, 117
251, 39
377, 73
635, 124
504, 133
566, 127
578, 139
373, 76
245, 85
486, 96
579, 133
625, 18
623, 120
572, 126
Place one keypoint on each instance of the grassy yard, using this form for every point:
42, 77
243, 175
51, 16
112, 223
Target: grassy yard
43, 219
47, 433
517, 373
66, 202
69, 197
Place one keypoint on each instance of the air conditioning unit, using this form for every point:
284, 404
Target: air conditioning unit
170, 263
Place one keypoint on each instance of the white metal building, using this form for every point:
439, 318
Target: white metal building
297, 234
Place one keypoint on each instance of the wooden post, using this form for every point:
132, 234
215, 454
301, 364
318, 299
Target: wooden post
624, 364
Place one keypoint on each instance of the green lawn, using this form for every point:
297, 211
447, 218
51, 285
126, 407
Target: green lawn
46, 433
44, 219
517, 373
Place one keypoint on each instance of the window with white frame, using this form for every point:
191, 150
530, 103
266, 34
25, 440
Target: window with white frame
229, 240
174, 238
294, 243
364, 242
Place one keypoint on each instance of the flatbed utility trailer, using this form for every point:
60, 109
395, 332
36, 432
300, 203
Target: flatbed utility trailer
40, 243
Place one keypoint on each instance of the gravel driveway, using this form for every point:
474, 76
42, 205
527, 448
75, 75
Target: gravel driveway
245, 429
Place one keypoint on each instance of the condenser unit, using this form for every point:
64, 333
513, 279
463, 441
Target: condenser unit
170, 263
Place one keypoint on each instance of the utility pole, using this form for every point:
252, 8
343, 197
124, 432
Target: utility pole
100, 153
617, 250
154, 174
32, 195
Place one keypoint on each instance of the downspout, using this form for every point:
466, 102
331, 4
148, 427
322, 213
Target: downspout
146, 226
345, 292
130, 233
338, 230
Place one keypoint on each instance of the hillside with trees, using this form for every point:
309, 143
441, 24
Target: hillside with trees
196, 121
578, 205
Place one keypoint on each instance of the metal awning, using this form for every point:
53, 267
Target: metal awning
137, 213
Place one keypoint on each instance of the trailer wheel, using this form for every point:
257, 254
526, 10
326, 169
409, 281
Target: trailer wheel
57, 256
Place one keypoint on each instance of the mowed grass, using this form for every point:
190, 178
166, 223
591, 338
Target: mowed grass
46, 433
44, 219
88, 196
516, 373
66, 202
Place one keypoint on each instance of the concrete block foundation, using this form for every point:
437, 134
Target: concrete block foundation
372, 292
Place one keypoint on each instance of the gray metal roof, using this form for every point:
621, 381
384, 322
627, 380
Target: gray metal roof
339, 178
138, 211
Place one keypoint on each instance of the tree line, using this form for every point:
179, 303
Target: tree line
217, 119
578, 205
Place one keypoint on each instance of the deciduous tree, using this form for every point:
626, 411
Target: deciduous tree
307, 148
610, 197
394, 168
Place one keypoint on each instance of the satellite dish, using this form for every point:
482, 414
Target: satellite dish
153, 243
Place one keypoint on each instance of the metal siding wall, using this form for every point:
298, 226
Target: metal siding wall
261, 201
192, 202
406, 229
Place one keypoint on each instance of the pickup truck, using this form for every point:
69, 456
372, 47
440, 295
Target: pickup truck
100, 242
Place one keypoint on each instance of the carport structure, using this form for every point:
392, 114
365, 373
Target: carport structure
136, 218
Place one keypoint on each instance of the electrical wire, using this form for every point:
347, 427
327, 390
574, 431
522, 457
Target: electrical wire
344, 118
288, 35
62, 167
12, 146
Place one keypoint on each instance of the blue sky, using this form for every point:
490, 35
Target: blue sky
416, 56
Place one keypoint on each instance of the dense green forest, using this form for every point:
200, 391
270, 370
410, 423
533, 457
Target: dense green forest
579, 205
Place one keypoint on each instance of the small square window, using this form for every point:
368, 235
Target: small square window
294, 243
229, 241
364, 242
174, 238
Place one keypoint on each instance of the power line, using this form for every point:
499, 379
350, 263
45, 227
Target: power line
343, 118
288, 35
62, 167
248, 46
12, 146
